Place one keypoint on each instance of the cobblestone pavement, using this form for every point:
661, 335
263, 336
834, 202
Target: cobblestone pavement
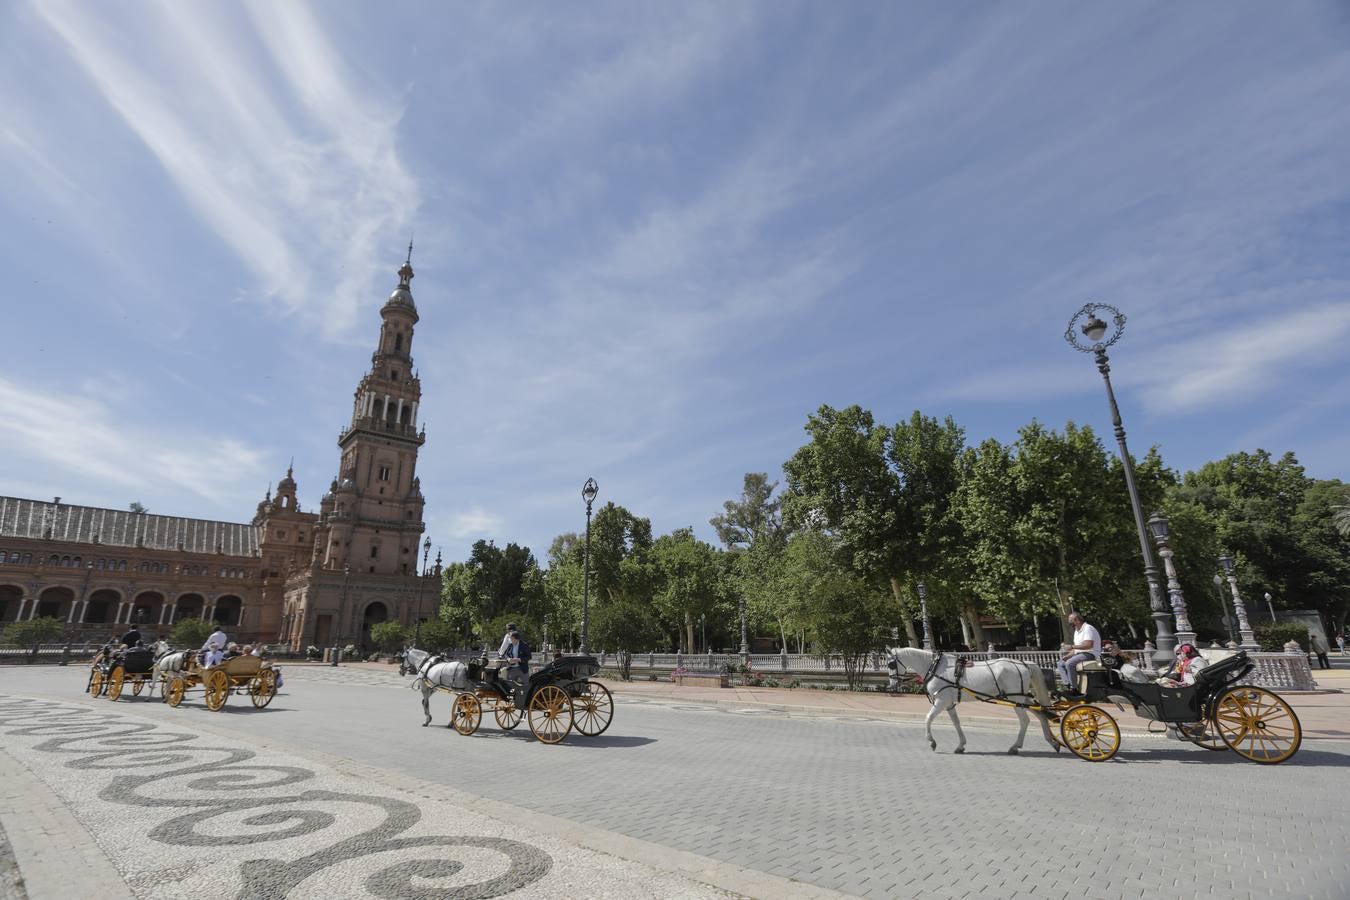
11, 884
862, 807
200, 815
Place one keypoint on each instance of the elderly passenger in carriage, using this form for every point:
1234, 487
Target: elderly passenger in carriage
1183, 670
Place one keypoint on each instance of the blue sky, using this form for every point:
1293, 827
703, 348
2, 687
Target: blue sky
652, 238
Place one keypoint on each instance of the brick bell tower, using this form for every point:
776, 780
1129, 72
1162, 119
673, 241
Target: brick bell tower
372, 514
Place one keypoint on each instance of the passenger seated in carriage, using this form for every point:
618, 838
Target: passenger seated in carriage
515, 661
1183, 670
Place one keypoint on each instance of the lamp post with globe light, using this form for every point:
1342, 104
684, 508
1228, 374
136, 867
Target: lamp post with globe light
1095, 330
1248, 640
421, 586
1223, 605
588, 493
1271, 606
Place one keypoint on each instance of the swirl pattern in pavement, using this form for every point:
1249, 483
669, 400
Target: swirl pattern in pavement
184, 814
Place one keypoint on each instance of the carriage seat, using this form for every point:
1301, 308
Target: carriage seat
138, 661
1091, 665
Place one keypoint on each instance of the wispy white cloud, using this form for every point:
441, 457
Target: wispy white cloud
472, 524
95, 447
299, 176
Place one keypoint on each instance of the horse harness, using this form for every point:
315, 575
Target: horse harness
961, 665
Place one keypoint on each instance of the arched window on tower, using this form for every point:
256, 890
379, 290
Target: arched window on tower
398, 343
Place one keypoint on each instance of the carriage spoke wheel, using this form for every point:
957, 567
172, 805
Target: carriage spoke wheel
115, 679
262, 688
217, 690
1203, 734
136, 684
466, 714
1257, 725
508, 716
173, 694
96, 683
550, 714
1090, 733
593, 709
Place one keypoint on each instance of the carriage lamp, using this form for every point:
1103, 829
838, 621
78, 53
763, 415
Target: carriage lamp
1094, 328
588, 493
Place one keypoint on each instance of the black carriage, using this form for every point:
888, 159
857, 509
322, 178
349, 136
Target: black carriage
113, 670
1216, 712
555, 700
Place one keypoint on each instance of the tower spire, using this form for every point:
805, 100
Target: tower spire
405, 273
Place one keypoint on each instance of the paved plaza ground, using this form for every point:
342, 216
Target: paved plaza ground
335, 790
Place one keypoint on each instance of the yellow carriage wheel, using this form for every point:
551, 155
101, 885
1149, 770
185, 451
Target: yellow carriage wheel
1090, 733
262, 688
507, 715
115, 679
173, 694
550, 714
1203, 734
96, 683
466, 714
593, 709
1257, 724
137, 683
217, 690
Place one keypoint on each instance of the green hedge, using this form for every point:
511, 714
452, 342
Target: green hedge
34, 631
1274, 636
190, 633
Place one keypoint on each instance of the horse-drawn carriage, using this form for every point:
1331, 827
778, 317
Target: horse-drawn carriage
113, 670
555, 700
1216, 712
239, 675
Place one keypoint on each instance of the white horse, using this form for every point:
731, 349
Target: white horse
167, 662
434, 673
1004, 679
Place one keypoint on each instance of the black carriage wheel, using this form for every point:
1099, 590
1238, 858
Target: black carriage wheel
592, 709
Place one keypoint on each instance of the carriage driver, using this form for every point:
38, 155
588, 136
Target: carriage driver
213, 651
516, 659
132, 638
1086, 646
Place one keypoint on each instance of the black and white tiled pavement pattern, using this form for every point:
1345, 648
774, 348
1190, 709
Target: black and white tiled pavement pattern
189, 815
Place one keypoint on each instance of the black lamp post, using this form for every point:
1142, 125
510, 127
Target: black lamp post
1094, 329
421, 585
588, 492
923, 614
342, 613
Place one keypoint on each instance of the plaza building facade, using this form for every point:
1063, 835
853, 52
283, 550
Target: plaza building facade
286, 576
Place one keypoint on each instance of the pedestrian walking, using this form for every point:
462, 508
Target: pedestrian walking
1319, 648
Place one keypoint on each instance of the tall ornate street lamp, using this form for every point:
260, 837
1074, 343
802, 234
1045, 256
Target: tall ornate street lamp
923, 613
421, 585
1094, 329
588, 492
1271, 607
1248, 640
342, 612
745, 643
1157, 523
1223, 604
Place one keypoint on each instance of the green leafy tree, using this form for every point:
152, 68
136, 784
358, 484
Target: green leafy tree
33, 631
138, 508
190, 633
388, 636
688, 580
495, 585
841, 482
751, 528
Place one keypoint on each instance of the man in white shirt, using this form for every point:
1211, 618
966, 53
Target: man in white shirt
1086, 646
506, 641
214, 648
